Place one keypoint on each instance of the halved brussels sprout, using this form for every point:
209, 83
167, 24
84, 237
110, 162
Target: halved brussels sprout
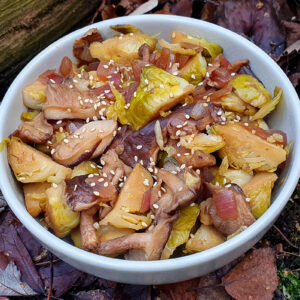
269, 106
250, 90
108, 232
59, 214
176, 48
158, 91
210, 49
34, 95
205, 238
117, 110
126, 28
205, 217
195, 69
202, 141
234, 103
121, 49
259, 190
29, 115
125, 212
35, 197
85, 168
248, 151
31, 165
181, 229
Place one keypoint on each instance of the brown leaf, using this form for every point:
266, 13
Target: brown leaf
254, 278
293, 32
260, 24
93, 295
178, 291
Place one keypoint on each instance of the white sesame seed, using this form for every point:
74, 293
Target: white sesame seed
141, 162
112, 172
144, 224
150, 169
152, 217
71, 86
192, 236
179, 126
200, 83
187, 116
182, 166
90, 175
163, 189
192, 204
51, 80
146, 182
159, 193
54, 185
248, 199
96, 225
223, 118
171, 95
193, 76
66, 141
155, 206
59, 122
95, 118
178, 154
134, 94
180, 188
69, 110
232, 74
105, 66
178, 132
102, 162
100, 179
92, 184
207, 74
139, 147
161, 86
104, 174
105, 184
246, 124
96, 193
52, 151
253, 131
187, 154
219, 113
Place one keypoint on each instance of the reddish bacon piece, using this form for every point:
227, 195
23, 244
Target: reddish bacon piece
225, 205
51, 75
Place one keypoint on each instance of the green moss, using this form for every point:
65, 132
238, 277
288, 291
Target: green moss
289, 283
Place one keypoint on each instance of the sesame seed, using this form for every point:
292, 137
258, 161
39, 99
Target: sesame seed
139, 147
90, 175
152, 217
180, 188
93, 129
71, 86
100, 179
52, 151
193, 76
105, 66
161, 86
174, 172
105, 184
205, 104
173, 35
104, 174
106, 91
96, 225
253, 131
171, 95
219, 113
155, 206
232, 74
187, 116
144, 224
178, 132
141, 162
112, 172
115, 133
66, 141
200, 83
87, 120
92, 184
51, 80
179, 126
192, 204
59, 122
182, 166
159, 193
75, 187
150, 169
223, 118
207, 74
96, 193
121, 184
246, 124
186, 154
175, 73
146, 182
54, 185
163, 189
178, 144
102, 162
146, 81
134, 94
178, 154
248, 199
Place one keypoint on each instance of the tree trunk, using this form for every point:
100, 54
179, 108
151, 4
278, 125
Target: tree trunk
28, 26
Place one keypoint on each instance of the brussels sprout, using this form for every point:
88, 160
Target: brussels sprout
158, 91
195, 69
201, 141
31, 165
209, 49
269, 106
205, 238
248, 151
85, 168
108, 232
126, 28
117, 110
259, 190
29, 115
76, 237
34, 95
234, 103
35, 197
181, 230
129, 202
59, 214
176, 48
250, 90
121, 49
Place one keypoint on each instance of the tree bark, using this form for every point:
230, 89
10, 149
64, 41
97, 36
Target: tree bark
28, 26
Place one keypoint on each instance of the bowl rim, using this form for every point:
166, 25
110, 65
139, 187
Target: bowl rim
115, 264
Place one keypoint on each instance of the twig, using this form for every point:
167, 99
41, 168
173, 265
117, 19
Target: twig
288, 253
285, 238
47, 262
51, 278
97, 11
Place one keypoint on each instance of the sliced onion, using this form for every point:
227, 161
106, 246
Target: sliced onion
225, 205
159, 135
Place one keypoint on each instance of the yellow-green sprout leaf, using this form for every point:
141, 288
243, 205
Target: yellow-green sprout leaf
195, 69
31, 165
126, 212
121, 49
234, 103
269, 106
205, 238
117, 110
209, 49
85, 168
29, 115
248, 151
259, 190
181, 229
125, 28
34, 95
76, 237
5, 142
287, 148
176, 48
59, 214
250, 90
158, 91
202, 141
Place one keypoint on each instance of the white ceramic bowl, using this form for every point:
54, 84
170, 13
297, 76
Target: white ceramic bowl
286, 118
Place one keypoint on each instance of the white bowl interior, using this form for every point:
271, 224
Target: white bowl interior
285, 118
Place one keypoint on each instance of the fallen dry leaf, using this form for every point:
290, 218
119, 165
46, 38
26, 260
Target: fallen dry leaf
293, 32
11, 284
93, 295
254, 278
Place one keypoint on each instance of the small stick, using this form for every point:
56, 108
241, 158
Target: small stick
285, 238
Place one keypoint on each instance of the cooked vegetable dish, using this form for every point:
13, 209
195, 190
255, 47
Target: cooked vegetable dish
147, 149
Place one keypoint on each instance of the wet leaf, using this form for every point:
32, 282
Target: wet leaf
136, 292
11, 284
93, 295
254, 278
